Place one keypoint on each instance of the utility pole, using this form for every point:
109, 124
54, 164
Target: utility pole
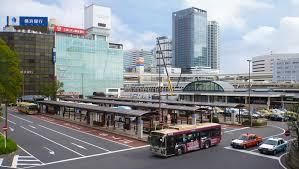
82, 76
159, 81
249, 90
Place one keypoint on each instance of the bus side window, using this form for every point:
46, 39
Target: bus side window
204, 134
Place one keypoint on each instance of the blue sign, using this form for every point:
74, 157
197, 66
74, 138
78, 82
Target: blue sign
33, 21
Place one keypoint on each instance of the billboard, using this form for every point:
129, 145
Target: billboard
13, 20
70, 30
33, 21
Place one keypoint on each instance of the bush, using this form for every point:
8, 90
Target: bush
215, 120
11, 146
255, 122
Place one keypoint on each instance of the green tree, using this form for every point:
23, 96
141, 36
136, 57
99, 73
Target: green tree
10, 74
52, 89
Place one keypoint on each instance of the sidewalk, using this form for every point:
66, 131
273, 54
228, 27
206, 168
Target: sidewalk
105, 133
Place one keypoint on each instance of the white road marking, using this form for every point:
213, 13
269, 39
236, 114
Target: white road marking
28, 161
8, 120
280, 163
74, 138
96, 155
283, 131
50, 151
1, 161
14, 161
236, 129
52, 141
32, 126
254, 149
252, 153
29, 153
89, 134
79, 146
21, 118
11, 129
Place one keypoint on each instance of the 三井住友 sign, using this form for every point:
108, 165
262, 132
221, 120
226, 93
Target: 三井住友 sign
33, 21
70, 30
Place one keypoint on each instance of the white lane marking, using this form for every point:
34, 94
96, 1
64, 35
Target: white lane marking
252, 153
89, 134
27, 160
74, 138
32, 126
280, 163
1, 161
96, 155
22, 164
283, 131
79, 146
29, 153
14, 161
236, 129
50, 151
11, 129
8, 120
21, 118
52, 141
254, 149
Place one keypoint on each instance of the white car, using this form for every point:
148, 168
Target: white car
273, 146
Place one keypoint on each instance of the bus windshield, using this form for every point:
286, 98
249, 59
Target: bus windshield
157, 139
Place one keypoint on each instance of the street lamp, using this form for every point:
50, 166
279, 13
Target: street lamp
249, 90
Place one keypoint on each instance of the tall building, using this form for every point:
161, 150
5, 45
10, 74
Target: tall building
286, 70
264, 63
35, 51
86, 61
189, 33
132, 56
213, 45
166, 49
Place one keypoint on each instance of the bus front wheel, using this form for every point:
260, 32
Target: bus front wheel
207, 145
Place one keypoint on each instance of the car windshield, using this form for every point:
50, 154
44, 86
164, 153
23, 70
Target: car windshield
271, 142
242, 137
157, 140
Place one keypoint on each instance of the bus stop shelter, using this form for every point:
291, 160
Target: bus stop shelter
94, 114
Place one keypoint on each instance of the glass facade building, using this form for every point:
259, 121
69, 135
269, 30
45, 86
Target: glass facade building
36, 60
86, 66
189, 32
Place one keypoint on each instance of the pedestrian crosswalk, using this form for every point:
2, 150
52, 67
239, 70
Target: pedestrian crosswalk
25, 161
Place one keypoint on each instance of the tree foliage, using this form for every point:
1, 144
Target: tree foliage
52, 89
10, 74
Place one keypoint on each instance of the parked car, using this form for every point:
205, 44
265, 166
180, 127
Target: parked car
277, 117
273, 146
246, 141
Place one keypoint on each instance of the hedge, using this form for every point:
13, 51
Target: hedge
255, 122
11, 146
215, 120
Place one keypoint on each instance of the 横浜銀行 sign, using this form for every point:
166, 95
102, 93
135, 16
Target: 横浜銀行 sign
33, 21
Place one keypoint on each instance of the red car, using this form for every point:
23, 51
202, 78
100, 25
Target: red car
246, 141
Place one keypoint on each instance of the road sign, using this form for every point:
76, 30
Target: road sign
4, 128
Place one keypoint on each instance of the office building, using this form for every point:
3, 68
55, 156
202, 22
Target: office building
213, 45
36, 59
189, 33
132, 56
264, 63
286, 70
166, 50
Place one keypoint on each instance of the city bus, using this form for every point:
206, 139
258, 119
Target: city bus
28, 108
179, 139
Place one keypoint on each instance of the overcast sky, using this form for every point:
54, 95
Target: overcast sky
248, 27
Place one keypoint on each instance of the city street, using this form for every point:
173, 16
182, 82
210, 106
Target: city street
51, 144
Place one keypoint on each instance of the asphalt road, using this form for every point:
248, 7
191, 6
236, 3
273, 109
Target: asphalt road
50, 146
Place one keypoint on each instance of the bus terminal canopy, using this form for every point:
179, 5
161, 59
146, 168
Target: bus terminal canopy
170, 102
192, 108
95, 108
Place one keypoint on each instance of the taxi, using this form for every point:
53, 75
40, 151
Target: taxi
273, 146
246, 141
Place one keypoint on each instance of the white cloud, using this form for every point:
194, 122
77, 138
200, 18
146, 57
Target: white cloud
227, 12
262, 40
71, 13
